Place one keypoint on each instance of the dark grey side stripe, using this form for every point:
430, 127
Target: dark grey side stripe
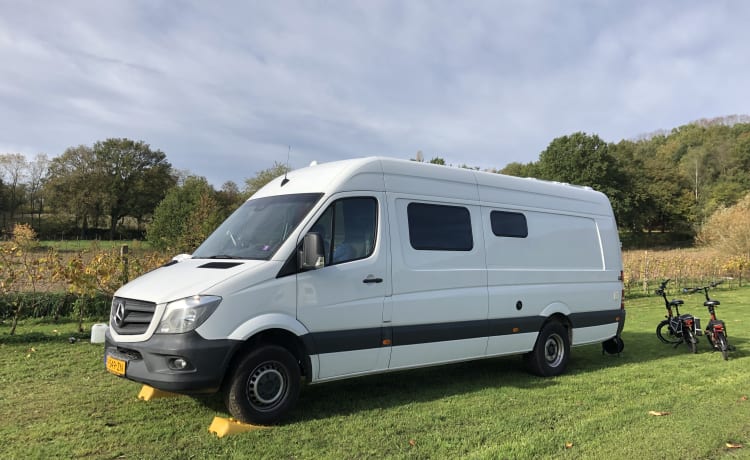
506, 326
353, 339
362, 339
440, 332
595, 318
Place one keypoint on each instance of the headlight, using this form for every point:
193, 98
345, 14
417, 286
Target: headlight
186, 314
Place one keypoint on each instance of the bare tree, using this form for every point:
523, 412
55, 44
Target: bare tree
38, 170
14, 169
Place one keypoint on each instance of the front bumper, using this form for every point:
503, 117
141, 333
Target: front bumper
150, 362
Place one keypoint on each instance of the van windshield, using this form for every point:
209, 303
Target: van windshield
258, 228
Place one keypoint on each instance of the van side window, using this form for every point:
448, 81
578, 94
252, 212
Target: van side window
348, 229
439, 228
510, 224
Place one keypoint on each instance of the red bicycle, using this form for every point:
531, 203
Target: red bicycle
716, 331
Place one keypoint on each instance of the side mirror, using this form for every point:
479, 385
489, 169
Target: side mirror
311, 256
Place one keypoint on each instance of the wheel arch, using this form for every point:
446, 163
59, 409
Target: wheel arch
280, 337
563, 319
273, 329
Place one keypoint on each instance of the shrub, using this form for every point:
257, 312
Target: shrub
53, 305
727, 230
21, 270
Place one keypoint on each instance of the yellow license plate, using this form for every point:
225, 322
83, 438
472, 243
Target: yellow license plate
115, 366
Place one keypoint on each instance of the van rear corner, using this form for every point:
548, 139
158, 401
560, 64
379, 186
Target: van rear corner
615, 345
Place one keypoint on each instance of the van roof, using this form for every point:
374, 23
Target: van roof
379, 173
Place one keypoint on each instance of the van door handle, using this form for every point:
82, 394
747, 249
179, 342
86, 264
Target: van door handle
372, 280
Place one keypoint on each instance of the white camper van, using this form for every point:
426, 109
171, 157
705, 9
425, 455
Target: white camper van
371, 265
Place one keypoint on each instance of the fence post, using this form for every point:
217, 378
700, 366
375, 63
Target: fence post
124, 257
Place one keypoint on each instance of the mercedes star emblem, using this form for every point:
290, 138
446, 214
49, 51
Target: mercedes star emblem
119, 316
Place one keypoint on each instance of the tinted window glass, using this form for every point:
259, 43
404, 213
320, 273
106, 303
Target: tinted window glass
511, 224
348, 229
439, 228
257, 228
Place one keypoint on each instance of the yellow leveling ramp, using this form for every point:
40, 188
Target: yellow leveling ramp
224, 426
148, 393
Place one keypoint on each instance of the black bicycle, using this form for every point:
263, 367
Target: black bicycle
716, 330
677, 328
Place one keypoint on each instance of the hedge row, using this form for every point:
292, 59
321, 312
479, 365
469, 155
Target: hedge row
54, 305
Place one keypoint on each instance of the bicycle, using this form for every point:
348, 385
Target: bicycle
679, 327
716, 331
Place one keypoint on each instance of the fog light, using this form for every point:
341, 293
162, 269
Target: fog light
179, 364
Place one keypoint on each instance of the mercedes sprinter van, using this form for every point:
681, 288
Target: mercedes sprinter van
371, 265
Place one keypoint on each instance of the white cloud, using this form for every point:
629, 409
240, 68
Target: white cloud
224, 87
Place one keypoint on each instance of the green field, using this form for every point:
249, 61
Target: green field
57, 401
92, 245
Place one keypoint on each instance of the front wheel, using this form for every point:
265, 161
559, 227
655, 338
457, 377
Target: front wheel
723, 345
551, 351
666, 334
264, 386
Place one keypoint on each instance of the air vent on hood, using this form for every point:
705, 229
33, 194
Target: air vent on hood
220, 265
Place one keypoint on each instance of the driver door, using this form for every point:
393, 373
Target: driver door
341, 304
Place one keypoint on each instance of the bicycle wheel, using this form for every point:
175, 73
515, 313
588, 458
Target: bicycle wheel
666, 334
709, 334
690, 340
723, 345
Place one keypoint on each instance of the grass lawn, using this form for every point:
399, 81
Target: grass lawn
57, 401
91, 245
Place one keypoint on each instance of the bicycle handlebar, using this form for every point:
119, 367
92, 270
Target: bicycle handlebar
705, 289
663, 286
692, 290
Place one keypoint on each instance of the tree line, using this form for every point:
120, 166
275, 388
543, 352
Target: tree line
116, 189
668, 182
665, 182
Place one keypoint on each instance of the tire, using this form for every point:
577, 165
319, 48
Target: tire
690, 340
666, 334
264, 386
613, 346
723, 345
709, 337
551, 351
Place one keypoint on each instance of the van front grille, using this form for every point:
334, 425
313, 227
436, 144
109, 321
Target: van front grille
131, 317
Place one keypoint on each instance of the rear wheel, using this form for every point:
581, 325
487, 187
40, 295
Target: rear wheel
723, 345
709, 337
690, 339
264, 386
551, 352
666, 334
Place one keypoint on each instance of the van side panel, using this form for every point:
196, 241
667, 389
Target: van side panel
439, 302
557, 267
610, 243
554, 242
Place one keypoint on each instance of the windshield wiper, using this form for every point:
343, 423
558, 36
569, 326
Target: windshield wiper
222, 256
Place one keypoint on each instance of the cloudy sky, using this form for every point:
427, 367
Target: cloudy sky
224, 87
